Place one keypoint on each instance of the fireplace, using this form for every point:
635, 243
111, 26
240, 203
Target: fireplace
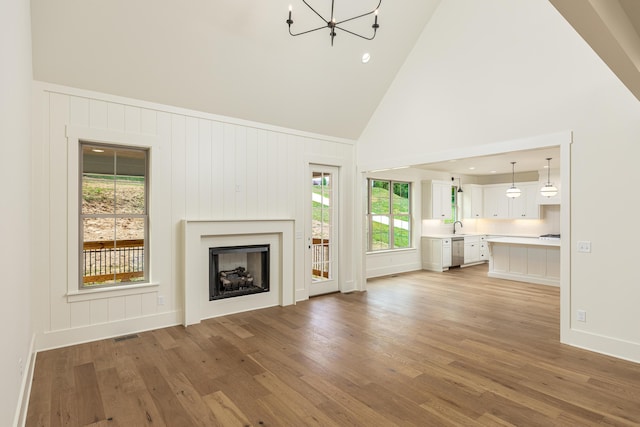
238, 270
202, 235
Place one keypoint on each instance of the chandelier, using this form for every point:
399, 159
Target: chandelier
333, 24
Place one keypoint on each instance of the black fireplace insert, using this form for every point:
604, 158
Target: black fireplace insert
238, 270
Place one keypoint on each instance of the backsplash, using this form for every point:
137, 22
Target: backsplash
549, 223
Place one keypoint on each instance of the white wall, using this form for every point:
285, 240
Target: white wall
15, 176
498, 70
202, 167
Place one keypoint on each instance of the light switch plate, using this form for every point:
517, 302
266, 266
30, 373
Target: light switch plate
584, 246
581, 316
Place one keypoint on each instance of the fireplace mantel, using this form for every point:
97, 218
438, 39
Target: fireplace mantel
199, 235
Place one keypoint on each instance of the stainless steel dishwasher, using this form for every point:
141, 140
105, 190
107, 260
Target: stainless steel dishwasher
457, 251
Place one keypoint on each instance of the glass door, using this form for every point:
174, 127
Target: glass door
322, 237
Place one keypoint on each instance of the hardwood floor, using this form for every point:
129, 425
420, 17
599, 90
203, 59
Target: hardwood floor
424, 349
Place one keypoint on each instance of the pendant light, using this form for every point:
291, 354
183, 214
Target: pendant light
549, 190
513, 191
459, 186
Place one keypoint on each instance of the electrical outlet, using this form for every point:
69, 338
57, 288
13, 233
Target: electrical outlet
581, 316
584, 246
160, 300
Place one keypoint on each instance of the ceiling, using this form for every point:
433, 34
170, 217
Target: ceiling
526, 161
235, 58
612, 29
230, 57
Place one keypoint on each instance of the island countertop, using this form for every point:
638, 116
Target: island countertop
525, 241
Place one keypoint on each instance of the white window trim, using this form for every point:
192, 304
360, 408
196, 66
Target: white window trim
411, 246
76, 135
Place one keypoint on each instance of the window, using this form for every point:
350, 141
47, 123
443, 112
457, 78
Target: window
454, 206
114, 220
389, 215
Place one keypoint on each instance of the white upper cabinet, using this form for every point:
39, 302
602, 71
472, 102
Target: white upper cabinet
472, 201
498, 206
436, 200
495, 201
526, 206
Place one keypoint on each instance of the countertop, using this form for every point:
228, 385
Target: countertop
450, 236
525, 241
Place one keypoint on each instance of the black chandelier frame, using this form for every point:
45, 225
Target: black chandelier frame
332, 24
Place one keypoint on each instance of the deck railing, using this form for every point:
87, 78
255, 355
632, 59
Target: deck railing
103, 262
320, 258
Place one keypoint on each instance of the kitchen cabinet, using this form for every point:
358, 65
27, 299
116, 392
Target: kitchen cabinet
484, 249
471, 249
436, 253
472, 201
524, 259
526, 206
498, 206
436, 200
495, 202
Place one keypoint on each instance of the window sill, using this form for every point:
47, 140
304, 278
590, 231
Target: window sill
390, 251
110, 292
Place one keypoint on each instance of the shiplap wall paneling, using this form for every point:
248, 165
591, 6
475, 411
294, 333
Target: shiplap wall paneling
115, 116
250, 185
99, 311
98, 115
60, 310
78, 111
116, 309
80, 314
178, 202
161, 216
132, 119
204, 170
217, 171
132, 306
262, 172
240, 173
192, 184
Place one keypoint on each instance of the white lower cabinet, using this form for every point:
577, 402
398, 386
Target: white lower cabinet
484, 249
475, 249
436, 253
471, 249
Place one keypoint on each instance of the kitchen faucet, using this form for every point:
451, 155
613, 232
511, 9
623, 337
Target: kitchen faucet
454, 226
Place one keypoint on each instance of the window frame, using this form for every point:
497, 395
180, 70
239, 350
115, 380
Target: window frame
82, 216
74, 135
391, 215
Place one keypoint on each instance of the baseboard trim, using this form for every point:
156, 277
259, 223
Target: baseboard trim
80, 335
394, 269
20, 418
613, 347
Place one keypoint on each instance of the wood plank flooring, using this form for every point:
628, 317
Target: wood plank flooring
423, 349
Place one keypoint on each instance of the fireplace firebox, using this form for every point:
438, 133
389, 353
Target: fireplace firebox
238, 270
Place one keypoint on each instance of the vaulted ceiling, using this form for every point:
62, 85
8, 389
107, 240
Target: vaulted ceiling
230, 57
235, 57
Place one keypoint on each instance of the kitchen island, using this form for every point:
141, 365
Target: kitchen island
525, 259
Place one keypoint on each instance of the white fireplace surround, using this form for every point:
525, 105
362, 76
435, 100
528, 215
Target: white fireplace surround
200, 235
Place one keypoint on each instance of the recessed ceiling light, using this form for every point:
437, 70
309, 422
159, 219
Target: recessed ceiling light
472, 168
97, 150
493, 171
366, 57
